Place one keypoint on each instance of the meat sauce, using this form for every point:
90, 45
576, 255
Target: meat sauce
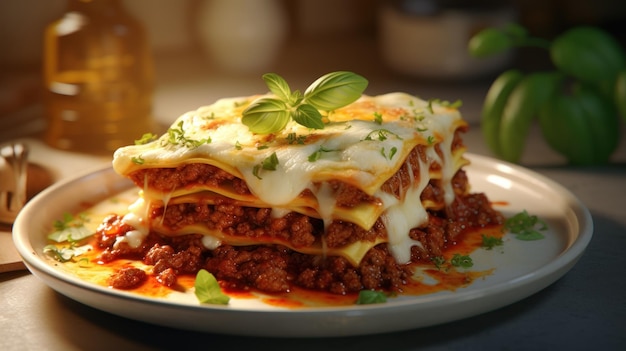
132, 274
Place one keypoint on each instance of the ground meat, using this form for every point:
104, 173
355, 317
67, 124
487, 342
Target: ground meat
276, 268
378, 270
471, 211
262, 267
127, 278
168, 179
400, 181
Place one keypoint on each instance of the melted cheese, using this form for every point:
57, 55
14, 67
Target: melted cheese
357, 150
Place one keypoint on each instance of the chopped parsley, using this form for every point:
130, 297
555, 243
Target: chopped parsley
458, 260
176, 136
463, 261
381, 135
438, 261
138, 160
146, 138
317, 154
526, 227
378, 118
489, 242
390, 154
293, 138
269, 164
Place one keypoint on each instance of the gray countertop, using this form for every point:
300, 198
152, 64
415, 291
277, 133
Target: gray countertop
584, 309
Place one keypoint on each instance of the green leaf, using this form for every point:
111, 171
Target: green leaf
270, 162
332, 91
265, 116
516, 31
308, 116
438, 261
65, 254
70, 233
526, 227
335, 90
317, 154
277, 85
459, 260
146, 138
489, 42
589, 54
367, 297
489, 242
208, 290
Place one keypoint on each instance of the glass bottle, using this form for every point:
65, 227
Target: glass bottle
98, 77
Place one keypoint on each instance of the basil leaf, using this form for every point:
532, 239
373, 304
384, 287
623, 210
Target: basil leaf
208, 290
367, 297
308, 116
277, 85
335, 90
489, 42
265, 116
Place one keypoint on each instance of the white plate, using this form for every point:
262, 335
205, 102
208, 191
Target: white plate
523, 267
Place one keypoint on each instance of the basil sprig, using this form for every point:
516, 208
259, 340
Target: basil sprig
271, 114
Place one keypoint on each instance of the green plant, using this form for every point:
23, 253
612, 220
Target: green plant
576, 104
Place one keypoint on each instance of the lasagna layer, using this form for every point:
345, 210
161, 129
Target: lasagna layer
383, 181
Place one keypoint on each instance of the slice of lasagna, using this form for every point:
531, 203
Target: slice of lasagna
340, 209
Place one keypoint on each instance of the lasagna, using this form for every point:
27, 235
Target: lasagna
349, 207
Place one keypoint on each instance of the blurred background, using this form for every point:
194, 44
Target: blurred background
416, 46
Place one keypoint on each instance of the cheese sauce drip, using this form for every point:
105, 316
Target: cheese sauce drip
404, 214
136, 217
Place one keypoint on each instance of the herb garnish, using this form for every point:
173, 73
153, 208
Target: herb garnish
378, 118
463, 261
329, 92
367, 297
293, 138
526, 227
269, 164
208, 290
70, 229
391, 153
176, 136
438, 261
146, 138
381, 135
489, 242
458, 260
317, 154
138, 160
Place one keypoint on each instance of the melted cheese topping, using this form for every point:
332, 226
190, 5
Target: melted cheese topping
354, 148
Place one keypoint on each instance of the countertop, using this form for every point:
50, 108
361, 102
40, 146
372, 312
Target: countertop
584, 309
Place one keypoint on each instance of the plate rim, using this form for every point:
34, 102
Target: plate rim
547, 274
